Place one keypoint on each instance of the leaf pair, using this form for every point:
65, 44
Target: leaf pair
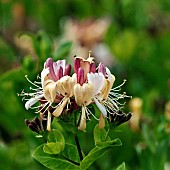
102, 144
55, 142
58, 155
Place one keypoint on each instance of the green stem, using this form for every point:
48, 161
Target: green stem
78, 148
107, 134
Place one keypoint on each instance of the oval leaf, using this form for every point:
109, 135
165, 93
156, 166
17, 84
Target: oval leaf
53, 148
93, 155
55, 162
55, 136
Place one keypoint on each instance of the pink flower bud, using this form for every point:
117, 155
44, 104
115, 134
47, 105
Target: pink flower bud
92, 67
102, 69
76, 65
59, 73
49, 64
67, 71
80, 76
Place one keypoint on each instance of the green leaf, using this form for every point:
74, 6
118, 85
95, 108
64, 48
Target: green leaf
93, 155
55, 142
55, 136
100, 135
69, 127
53, 148
121, 166
62, 51
115, 142
102, 140
55, 162
70, 152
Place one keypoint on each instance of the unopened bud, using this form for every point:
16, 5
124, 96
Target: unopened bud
80, 76
92, 67
102, 69
49, 64
67, 71
76, 65
59, 73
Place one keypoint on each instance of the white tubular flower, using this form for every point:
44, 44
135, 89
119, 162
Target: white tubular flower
65, 87
98, 80
46, 91
32, 101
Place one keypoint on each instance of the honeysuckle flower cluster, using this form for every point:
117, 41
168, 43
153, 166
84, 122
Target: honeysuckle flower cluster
58, 91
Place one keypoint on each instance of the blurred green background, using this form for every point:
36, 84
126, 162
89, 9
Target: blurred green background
134, 38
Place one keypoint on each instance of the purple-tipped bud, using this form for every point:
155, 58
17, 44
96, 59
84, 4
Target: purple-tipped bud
37, 122
49, 64
27, 122
59, 73
92, 67
33, 128
80, 76
34, 124
76, 65
102, 69
67, 71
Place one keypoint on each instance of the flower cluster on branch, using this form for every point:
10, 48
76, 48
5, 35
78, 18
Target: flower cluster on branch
59, 91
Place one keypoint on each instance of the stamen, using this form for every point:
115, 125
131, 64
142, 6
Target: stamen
31, 81
89, 112
44, 107
124, 81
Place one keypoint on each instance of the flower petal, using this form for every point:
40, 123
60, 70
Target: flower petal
57, 112
83, 94
58, 64
44, 73
50, 91
101, 107
32, 101
101, 122
65, 86
97, 79
49, 121
111, 77
82, 125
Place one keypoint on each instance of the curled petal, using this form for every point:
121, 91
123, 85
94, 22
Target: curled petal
50, 91
97, 79
82, 125
32, 101
44, 77
49, 64
101, 122
58, 64
49, 121
65, 86
101, 107
84, 64
111, 77
83, 94
102, 69
57, 112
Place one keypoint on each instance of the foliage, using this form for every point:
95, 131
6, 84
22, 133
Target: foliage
139, 39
